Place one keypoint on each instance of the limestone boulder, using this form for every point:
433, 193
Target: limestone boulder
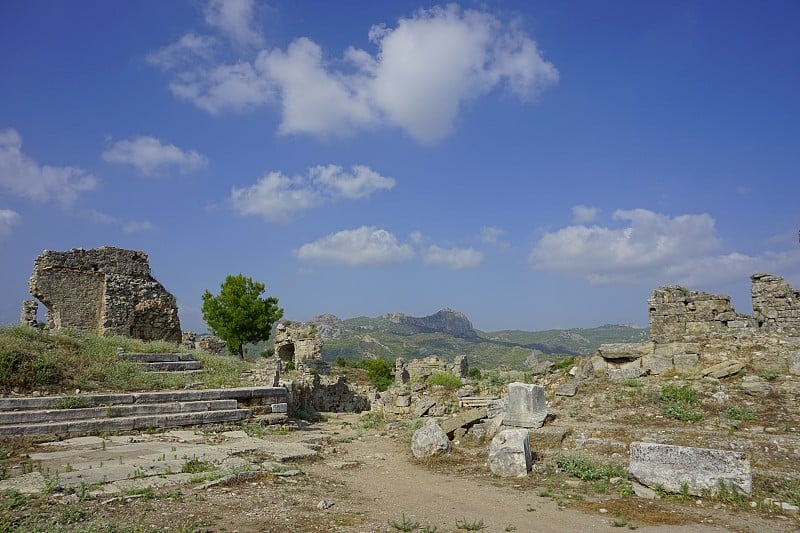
510, 453
723, 369
625, 350
429, 441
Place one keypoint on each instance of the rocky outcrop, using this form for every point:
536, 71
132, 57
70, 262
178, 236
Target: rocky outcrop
328, 326
447, 321
105, 290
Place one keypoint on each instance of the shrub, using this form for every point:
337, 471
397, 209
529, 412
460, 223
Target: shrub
474, 373
679, 401
446, 380
565, 363
379, 373
739, 413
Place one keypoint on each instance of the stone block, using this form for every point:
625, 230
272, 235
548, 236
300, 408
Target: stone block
510, 453
463, 419
698, 469
685, 363
404, 400
657, 364
279, 408
568, 389
621, 374
527, 407
675, 348
429, 441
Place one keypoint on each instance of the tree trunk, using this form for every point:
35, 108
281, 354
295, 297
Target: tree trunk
241, 351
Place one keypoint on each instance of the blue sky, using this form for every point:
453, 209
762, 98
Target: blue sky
532, 164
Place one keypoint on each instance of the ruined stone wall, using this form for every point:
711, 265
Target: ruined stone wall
677, 314
105, 290
325, 394
776, 305
422, 368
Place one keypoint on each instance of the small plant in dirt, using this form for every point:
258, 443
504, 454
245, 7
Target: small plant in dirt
196, 466
586, 468
771, 374
679, 402
446, 380
371, 420
475, 525
739, 413
405, 524
146, 493
729, 493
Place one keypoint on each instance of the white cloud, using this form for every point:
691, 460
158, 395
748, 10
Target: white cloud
151, 156
455, 258
235, 18
314, 100
424, 70
277, 197
644, 250
8, 220
435, 61
184, 52
24, 177
215, 89
366, 245
582, 214
490, 236
361, 183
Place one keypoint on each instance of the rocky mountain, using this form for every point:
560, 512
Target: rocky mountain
447, 321
449, 333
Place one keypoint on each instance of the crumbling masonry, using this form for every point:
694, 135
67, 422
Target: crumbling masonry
104, 290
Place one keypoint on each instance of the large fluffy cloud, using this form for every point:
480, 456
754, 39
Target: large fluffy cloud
366, 245
24, 177
8, 219
234, 18
152, 156
277, 197
650, 248
422, 72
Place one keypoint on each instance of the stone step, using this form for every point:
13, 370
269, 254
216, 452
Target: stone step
170, 366
263, 395
114, 411
71, 428
475, 401
157, 357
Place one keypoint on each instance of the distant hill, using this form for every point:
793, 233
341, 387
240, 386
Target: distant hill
449, 333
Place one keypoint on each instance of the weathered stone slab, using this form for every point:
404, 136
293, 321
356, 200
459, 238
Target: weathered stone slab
429, 440
463, 419
527, 406
568, 389
698, 469
279, 407
723, 369
685, 363
794, 364
625, 350
422, 406
510, 453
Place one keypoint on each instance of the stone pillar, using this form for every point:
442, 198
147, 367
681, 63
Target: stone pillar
401, 375
28, 315
527, 407
510, 453
461, 366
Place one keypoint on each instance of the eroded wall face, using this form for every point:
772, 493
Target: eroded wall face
776, 305
107, 291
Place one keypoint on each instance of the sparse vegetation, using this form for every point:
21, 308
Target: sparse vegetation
196, 466
71, 402
446, 380
34, 360
679, 402
586, 468
475, 525
739, 413
405, 524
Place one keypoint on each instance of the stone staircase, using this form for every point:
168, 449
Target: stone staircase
183, 363
87, 414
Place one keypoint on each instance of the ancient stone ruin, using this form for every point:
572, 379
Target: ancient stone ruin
105, 290
298, 343
697, 333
